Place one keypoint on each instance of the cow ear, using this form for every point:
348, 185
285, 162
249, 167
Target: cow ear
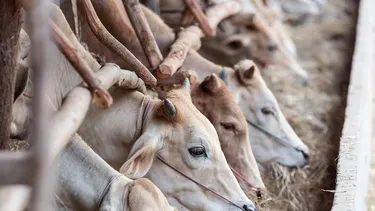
211, 84
186, 87
245, 70
139, 164
141, 157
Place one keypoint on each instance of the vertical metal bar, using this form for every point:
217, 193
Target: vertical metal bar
40, 145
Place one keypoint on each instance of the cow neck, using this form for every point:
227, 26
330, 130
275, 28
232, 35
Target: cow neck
88, 183
62, 78
202, 66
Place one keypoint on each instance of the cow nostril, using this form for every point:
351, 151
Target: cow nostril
305, 155
248, 208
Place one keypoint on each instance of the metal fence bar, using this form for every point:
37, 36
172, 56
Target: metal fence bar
40, 146
15, 168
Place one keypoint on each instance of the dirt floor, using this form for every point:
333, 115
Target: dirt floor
315, 108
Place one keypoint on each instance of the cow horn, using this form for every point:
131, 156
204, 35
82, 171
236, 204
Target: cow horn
169, 108
186, 83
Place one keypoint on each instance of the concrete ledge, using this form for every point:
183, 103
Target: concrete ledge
355, 145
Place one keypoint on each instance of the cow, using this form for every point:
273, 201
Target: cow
174, 130
244, 82
214, 100
87, 182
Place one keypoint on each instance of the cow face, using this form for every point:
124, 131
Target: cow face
176, 131
261, 108
214, 100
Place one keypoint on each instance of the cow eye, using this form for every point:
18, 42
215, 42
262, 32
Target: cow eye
272, 48
267, 111
235, 44
227, 126
198, 151
251, 28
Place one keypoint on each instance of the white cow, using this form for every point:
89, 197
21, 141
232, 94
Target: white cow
137, 128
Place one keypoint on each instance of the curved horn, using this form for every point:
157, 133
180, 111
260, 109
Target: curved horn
186, 84
169, 109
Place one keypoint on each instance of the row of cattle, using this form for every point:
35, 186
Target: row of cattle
201, 143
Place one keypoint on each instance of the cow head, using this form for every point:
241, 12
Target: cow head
272, 48
214, 100
176, 131
296, 9
261, 108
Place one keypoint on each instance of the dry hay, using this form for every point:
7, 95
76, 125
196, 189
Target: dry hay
314, 108
16, 145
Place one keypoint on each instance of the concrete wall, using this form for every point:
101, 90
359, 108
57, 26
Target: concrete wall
355, 145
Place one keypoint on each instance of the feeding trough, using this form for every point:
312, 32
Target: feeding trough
332, 113
353, 168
